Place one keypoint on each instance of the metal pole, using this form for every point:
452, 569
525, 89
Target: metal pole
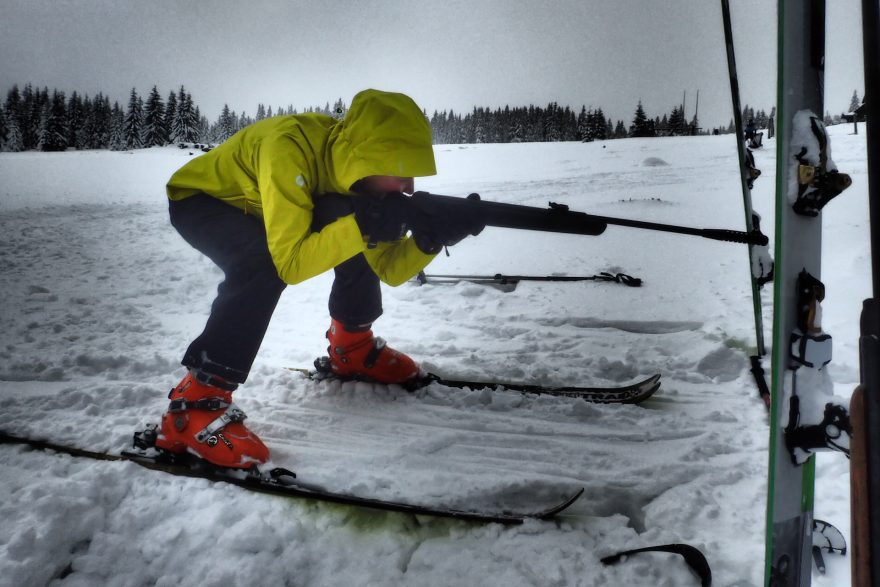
743, 172
865, 466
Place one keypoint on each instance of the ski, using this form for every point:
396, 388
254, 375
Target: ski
282, 482
805, 415
633, 393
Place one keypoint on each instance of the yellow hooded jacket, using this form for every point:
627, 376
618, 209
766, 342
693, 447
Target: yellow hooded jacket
273, 167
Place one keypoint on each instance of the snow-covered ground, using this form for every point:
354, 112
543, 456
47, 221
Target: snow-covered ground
101, 297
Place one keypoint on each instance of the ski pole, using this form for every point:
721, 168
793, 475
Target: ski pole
745, 186
503, 279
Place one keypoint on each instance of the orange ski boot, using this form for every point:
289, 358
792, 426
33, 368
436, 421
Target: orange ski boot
202, 420
360, 354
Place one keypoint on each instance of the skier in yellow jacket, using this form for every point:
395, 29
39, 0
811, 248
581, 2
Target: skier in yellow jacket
283, 200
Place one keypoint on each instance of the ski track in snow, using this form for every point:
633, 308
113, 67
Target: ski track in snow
102, 297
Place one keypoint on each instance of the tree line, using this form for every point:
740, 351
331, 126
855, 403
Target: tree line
35, 118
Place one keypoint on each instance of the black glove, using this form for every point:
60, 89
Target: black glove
444, 229
381, 218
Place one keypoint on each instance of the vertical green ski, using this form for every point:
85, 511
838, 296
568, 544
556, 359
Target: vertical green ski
805, 415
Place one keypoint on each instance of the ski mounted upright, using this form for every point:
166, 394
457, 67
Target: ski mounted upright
805, 415
281, 482
865, 465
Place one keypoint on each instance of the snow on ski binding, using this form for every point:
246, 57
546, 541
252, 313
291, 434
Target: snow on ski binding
810, 346
814, 423
832, 433
818, 180
761, 260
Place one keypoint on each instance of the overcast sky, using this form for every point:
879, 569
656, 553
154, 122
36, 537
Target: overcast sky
450, 54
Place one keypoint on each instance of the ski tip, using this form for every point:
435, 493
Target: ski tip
649, 389
546, 514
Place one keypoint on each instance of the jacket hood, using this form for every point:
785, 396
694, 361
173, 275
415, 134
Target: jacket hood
383, 133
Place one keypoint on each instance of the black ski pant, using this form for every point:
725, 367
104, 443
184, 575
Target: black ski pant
251, 288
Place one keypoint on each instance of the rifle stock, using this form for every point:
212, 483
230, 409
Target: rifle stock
556, 218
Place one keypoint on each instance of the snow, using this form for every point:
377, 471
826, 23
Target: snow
101, 297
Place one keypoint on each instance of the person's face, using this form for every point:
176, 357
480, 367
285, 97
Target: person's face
380, 184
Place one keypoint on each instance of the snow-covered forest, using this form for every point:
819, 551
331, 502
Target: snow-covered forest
37, 118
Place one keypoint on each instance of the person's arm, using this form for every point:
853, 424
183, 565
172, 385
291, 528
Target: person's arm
397, 262
298, 253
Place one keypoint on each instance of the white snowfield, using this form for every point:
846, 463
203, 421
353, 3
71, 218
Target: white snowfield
101, 297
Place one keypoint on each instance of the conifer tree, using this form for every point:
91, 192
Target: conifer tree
676, 122
133, 122
100, 129
225, 124
29, 116
75, 119
552, 129
170, 115
13, 109
582, 129
117, 128
187, 121
13, 102
84, 138
14, 138
597, 125
3, 127
203, 127
640, 126
854, 103
54, 130
153, 132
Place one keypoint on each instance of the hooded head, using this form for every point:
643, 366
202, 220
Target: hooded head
383, 133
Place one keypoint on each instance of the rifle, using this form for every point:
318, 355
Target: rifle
555, 218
